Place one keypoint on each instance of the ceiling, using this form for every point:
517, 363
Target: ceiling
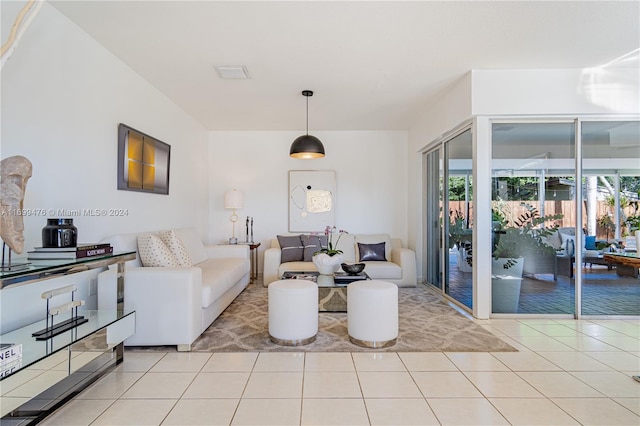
372, 65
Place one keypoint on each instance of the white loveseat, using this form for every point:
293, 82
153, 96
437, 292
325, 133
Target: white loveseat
399, 267
174, 305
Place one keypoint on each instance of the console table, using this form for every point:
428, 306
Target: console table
87, 351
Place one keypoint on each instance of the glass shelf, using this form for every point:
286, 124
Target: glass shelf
36, 270
34, 350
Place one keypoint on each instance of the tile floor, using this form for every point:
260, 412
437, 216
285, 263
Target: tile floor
566, 372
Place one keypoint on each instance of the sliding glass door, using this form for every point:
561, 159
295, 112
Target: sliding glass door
449, 218
458, 195
432, 263
611, 213
533, 217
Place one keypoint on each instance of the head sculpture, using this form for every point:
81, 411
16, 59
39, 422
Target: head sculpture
14, 173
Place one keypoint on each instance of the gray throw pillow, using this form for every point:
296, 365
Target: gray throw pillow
291, 248
371, 252
312, 244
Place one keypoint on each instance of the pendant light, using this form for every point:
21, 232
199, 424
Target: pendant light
307, 147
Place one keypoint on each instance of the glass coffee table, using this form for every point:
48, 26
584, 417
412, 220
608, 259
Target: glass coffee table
332, 289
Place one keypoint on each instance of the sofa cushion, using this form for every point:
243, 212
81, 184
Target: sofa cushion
175, 244
374, 239
193, 244
291, 248
346, 243
368, 252
590, 242
154, 252
383, 270
311, 244
219, 275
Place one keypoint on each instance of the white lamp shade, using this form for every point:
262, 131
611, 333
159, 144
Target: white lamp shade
233, 200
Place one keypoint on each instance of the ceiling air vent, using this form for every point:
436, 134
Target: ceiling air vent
233, 72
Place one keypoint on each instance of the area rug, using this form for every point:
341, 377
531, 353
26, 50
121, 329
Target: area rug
427, 323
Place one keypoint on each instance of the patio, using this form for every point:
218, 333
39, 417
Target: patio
604, 292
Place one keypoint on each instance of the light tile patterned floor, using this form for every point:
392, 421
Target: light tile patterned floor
567, 372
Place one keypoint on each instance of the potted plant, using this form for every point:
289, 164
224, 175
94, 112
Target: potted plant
520, 247
460, 239
328, 259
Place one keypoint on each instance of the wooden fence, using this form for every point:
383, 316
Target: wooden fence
513, 209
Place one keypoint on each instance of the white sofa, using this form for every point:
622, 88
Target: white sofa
399, 268
174, 305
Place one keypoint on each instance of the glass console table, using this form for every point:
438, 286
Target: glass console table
50, 372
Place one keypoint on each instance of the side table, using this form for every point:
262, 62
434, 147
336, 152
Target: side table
253, 252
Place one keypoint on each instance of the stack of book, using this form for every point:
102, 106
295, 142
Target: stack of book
78, 252
10, 358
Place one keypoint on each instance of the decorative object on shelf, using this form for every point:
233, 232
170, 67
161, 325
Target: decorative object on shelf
143, 162
353, 269
246, 239
59, 233
233, 200
14, 173
75, 320
307, 147
78, 252
327, 264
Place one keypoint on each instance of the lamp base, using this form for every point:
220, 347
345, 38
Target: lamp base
233, 240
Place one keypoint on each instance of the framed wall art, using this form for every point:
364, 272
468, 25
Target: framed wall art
143, 162
311, 200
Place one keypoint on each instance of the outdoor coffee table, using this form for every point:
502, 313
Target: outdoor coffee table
332, 289
626, 263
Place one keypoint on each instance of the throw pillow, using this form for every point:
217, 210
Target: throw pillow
566, 237
371, 252
153, 252
590, 242
175, 244
291, 248
311, 244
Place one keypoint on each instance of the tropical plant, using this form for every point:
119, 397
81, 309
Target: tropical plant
458, 230
633, 223
606, 222
525, 236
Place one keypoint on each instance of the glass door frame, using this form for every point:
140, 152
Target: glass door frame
481, 126
440, 146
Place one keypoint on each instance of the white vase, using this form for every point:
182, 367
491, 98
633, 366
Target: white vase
505, 285
327, 265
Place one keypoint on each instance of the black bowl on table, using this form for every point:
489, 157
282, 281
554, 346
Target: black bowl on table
353, 269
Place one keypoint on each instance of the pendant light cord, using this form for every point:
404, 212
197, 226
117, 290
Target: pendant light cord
307, 115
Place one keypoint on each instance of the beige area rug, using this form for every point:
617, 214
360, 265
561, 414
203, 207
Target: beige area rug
427, 323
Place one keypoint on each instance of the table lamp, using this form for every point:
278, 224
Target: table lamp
233, 200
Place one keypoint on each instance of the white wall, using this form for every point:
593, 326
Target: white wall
453, 108
371, 180
63, 96
607, 90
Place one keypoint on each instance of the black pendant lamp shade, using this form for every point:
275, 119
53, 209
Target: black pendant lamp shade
307, 147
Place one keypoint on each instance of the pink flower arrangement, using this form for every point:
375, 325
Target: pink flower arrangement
330, 250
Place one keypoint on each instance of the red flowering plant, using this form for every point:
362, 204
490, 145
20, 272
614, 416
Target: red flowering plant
330, 249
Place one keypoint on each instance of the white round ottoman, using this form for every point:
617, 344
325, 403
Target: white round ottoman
293, 312
372, 313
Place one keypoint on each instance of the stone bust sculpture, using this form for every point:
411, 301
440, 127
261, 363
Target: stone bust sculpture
14, 173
